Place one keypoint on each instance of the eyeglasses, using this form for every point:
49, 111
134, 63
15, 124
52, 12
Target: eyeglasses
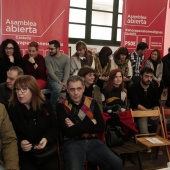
51, 49
9, 48
23, 90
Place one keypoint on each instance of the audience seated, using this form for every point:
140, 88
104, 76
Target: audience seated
58, 71
137, 60
34, 123
114, 92
103, 66
6, 87
91, 90
10, 55
143, 95
81, 58
155, 63
166, 75
80, 120
121, 61
8, 143
34, 64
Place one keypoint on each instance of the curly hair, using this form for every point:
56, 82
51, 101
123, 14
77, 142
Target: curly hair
17, 52
119, 51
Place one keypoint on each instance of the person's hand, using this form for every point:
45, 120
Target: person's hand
68, 122
126, 79
41, 144
11, 58
26, 146
158, 81
31, 60
94, 121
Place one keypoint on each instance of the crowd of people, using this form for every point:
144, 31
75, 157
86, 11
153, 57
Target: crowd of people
31, 124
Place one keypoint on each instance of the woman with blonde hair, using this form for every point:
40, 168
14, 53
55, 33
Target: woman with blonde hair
35, 125
81, 58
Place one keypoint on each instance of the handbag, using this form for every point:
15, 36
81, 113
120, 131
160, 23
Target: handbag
114, 134
41, 155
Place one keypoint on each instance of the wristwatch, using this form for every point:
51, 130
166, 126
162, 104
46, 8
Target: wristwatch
33, 63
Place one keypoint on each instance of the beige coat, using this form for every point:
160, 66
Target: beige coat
8, 142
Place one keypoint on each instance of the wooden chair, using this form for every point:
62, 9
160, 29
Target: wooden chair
129, 147
165, 116
144, 138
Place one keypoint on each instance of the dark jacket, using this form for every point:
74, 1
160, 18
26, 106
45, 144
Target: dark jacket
33, 126
166, 70
5, 94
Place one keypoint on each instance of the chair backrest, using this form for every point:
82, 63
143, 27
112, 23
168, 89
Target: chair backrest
165, 113
149, 113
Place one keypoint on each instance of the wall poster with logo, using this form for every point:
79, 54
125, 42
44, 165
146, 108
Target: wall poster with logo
144, 21
35, 20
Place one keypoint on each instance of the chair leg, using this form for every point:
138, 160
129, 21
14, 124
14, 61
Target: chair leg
139, 160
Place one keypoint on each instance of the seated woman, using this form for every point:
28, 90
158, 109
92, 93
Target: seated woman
10, 55
81, 58
113, 92
122, 62
35, 125
154, 62
34, 64
88, 75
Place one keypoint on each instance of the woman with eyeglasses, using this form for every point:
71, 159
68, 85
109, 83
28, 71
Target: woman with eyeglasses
10, 55
35, 125
91, 90
34, 64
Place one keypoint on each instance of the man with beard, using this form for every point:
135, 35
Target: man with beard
58, 71
137, 58
143, 95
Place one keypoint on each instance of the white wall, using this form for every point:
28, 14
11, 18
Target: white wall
95, 47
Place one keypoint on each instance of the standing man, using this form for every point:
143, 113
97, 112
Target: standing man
6, 87
58, 68
143, 95
137, 58
8, 143
166, 75
80, 120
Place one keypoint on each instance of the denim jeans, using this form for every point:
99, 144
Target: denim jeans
2, 167
56, 89
76, 151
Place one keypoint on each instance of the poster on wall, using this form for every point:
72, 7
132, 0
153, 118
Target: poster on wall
35, 20
143, 24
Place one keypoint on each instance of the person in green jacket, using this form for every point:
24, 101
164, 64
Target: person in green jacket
8, 143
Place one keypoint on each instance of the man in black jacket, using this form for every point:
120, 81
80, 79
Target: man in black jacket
166, 75
81, 120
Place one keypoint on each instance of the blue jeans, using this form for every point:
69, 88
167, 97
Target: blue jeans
56, 89
76, 151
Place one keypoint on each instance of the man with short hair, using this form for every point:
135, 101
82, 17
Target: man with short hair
6, 87
143, 95
58, 70
80, 120
137, 58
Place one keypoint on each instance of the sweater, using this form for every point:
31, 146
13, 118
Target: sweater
40, 71
58, 68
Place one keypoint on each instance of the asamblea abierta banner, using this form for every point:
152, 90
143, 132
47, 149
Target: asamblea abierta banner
35, 20
144, 21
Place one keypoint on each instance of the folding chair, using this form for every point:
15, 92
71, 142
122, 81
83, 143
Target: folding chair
166, 121
129, 147
152, 140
